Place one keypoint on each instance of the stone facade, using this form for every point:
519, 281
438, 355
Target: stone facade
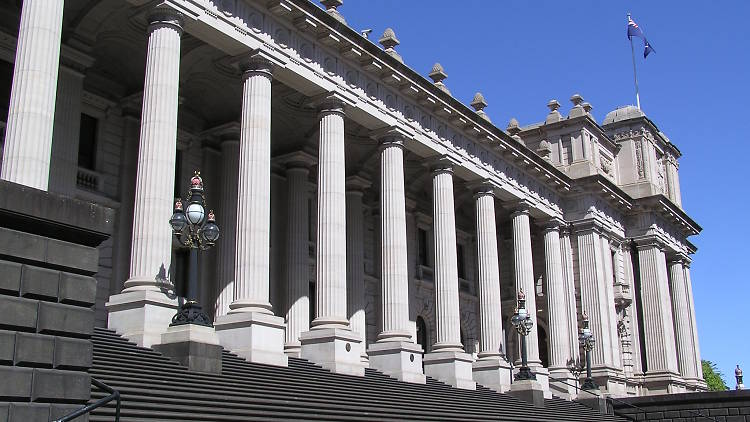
368, 217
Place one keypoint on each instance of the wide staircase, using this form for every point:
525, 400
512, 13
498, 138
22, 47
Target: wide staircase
153, 387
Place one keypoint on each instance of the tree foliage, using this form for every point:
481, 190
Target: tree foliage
714, 378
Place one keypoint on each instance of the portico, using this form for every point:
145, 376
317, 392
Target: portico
361, 204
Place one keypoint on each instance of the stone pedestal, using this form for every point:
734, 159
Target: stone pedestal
399, 359
562, 383
194, 346
141, 316
256, 337
452, 368
596, 402
494, 373
335, 349
529, 391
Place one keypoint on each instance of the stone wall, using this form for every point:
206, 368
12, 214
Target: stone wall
48, 256
722, 406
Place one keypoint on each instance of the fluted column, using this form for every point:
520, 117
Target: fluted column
635, 330
230, 154
594, 301
658, 327
252, 282
447, 361
144, 309
490, 312
154, 192
448, 319
691, 305
355, 257
524, 275
609, 297
559, 352
330, 343
297, 256
331, 234
682, 321
394, 267
31, 112
66, 132
566, 254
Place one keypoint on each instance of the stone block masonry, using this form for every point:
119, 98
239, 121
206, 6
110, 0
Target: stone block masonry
48, 256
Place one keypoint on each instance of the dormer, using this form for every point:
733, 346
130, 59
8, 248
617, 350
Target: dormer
648, 160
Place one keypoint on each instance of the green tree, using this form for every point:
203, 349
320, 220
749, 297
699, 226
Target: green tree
714, 378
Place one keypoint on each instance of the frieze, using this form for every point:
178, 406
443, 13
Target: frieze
330, 66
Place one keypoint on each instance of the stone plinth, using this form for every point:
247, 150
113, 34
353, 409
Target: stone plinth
529, 391
453, 368
335, 349
254, 336
194, 346
494, 373
400, 360
141, 316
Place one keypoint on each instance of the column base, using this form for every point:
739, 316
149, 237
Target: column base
398, 359
292, 349
453, 368
562, 383
663, 383
493, 372
542, 376
696, 384
611, 381
194, 346
335, 349
256, 337
529, 391
141, 316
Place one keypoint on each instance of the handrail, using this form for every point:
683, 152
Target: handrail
114, 395
613, 399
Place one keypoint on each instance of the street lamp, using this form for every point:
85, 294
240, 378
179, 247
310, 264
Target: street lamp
196, 230
586, 339
523, 323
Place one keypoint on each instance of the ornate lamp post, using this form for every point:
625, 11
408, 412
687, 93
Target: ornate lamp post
196, 231
523, 323
586, 339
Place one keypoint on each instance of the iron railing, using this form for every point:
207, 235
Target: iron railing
113, 395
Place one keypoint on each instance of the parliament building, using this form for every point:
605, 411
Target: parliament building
368, 218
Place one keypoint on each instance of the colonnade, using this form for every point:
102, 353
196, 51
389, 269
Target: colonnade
335, 338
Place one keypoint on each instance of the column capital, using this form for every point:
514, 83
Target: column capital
357, 184
648, 242
680, 258
164, 16
391, 136
328, 103
441, 164
585, 226
522, 206
257, 64
482, 187
553, 224
295, 160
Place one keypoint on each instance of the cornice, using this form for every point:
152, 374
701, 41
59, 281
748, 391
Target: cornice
668, 210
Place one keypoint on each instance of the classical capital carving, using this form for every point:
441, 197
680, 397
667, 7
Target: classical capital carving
482, 187
256, 64
163, 16
357, 184
522, 206
553, 224
442, 164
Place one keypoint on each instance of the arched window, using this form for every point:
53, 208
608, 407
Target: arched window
422, 335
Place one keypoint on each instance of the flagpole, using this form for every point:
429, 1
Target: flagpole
635, 76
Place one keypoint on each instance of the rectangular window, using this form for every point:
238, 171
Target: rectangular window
461, 263
87, 142
422, 241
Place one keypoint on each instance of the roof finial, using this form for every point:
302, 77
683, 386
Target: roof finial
389, 42
331, 8
554, 115
514, 129
577, 110
479, 104
438, 75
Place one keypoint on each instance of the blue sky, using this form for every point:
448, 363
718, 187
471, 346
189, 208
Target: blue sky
521, 54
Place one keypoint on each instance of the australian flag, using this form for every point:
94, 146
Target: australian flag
635, 31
